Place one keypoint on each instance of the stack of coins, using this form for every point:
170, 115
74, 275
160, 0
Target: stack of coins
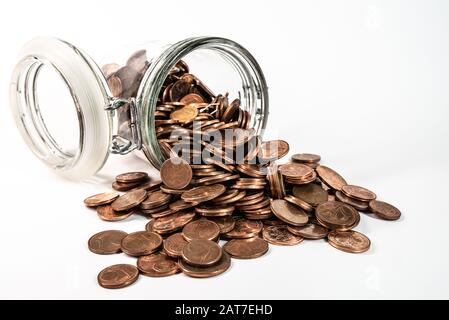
221, 193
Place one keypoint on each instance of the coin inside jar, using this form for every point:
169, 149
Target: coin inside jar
176, 173
246, 248
101, 199
141, 243
106, 242
157, 265
201, 229
201, 252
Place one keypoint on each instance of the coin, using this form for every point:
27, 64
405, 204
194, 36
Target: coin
310, 231
336, 215
118, 276
311, 193
225, 223
141, 243
101, 199
108, 214
280, 236
203, 193
179, 89
172, 222
289, 213
295, 170
157, 265
174, 244
298, 202
357, 204
349, 241
358, 193
184, 114
191, 98
246, 248
126, 186
244, 228
273, 150
205, 272
182, 205
106, 242
176, 173
201, 229
155, 199
215, 211
130, 177
306, 158
201, 252
129, 200
330, 177
384, 210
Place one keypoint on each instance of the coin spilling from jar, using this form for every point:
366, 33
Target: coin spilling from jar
220, 183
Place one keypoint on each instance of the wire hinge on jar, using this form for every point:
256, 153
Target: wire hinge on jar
120, 144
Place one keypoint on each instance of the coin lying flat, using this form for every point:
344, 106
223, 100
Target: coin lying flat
141, 243
157, 265
289, 213
176, 173
203, 193
201, 229
244, 228
330, 177
206, 272
306, 158
174, 244
130, 177
155, 199
101, 199
246, 248
201, 253
311, 193
129, 200
349, 241
106, 242
358, 193
172, 222
311, 231
106, 213
118, 276
384, 210
273, 150
337, 215
280, 236
295, 170
226, 223
357, 204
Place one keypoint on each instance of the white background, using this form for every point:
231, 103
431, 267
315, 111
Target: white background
363, 83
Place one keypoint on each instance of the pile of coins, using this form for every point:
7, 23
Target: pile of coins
228, 189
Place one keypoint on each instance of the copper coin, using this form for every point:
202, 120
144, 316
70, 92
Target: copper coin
310, 231
295, 170
118, 276
174, 244
330, 177
357, 204
246, 248
203, 193
226, 223
172, 222
101, 199
240, 195
205, 272
274, 149
179, 89
244, 228
298, 202
155, 199
168, 190
280, 236
384, 210
306, 158
176, 173
141, 243
274, 222
184, 114
182, 205
130, 177
311, 193
201, 229
358, 193
163, 213
108, 214
191, 98
349, 241
289, 213
148, 185
215, 211
106, 242
201, 252
337, 215
129, 186
157, 265
229, 194
129, 200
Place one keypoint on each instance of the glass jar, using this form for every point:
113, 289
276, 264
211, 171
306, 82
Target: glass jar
73, 113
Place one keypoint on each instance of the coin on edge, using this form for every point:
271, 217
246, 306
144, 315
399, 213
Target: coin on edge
176, 173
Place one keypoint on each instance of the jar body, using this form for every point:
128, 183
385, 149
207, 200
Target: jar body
118, 102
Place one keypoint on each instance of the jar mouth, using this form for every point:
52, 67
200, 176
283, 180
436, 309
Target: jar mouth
89, 95
254, 97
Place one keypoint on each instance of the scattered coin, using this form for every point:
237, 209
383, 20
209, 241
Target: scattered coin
311, 193
311, 231
106, 242
358, 193
131, 177
349, 241
118, 276
157, 265
384, 210
337, 215
203, 193
357, 204
174, 244
306, 158
201, 229
205, 272
176, 173
101, 199
129, 200
226, 223
141, 243
201, 252
172, 222
273, 150
108, 214
289, 213
244, 228
330, 177
280, 236
246, 248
